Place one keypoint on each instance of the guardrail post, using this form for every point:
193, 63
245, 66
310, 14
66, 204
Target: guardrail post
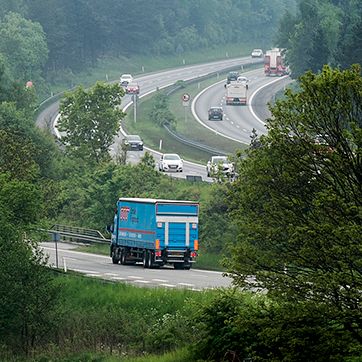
56, 238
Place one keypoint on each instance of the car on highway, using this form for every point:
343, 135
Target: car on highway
220, 165
257, 53
215, 113
133, 142
125, 79
232, 77
170, 162
133, 88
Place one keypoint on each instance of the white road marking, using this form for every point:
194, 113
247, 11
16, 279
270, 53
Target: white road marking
111, 274
134, 277
118, 278
186, 284
95, 275
142, 281
245, 130
168, 285
160, 280
232, 122
85, 271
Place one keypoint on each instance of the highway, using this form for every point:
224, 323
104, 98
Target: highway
238, 120
237, 124
100, 266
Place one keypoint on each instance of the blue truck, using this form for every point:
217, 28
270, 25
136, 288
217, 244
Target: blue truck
155, 232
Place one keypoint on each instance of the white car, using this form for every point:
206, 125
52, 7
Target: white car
125, 79
170, 162
257, 53
220, 164
242, 79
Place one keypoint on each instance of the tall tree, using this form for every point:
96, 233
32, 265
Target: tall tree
90, 120
298, 199
24, 46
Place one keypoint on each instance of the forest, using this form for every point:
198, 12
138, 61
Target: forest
292, 218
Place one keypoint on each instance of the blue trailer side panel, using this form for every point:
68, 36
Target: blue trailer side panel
136, 224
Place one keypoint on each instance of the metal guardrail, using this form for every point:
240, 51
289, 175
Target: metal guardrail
175, 87
195, 144
78, 234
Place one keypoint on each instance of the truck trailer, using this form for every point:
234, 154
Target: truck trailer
236, 93
155, 232
274, 63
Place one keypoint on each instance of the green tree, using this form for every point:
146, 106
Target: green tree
298, 200
160, 113
90, 119
27, 293
24, 46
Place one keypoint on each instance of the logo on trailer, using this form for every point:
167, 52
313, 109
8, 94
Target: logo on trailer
124, 213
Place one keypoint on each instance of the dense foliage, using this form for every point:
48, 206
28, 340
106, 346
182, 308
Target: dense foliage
322, 32
79, 32
297, 201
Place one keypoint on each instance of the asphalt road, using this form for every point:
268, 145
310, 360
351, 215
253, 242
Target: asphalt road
99, 266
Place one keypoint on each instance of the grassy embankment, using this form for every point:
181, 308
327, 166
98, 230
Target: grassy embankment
107, 321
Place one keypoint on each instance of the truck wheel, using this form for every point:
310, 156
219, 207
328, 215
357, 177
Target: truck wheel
151, 259
123, 257
145, 260
115, 259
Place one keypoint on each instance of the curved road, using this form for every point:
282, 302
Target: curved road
237, 124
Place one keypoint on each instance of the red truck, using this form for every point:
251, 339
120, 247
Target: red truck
274, 63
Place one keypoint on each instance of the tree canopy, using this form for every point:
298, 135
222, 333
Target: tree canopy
298, 199
90, 120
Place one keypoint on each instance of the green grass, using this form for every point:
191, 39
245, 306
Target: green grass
101, 249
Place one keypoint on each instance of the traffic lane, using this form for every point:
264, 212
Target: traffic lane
189, 168
266, 95
237, 121
151, 82
234, 124
99, 266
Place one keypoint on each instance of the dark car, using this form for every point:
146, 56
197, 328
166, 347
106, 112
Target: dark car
133, 142
232, 77
215, 113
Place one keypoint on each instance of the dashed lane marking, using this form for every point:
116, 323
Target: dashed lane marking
168, 285
142, 281
186, 284
160, 280
134, 277
85, 271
